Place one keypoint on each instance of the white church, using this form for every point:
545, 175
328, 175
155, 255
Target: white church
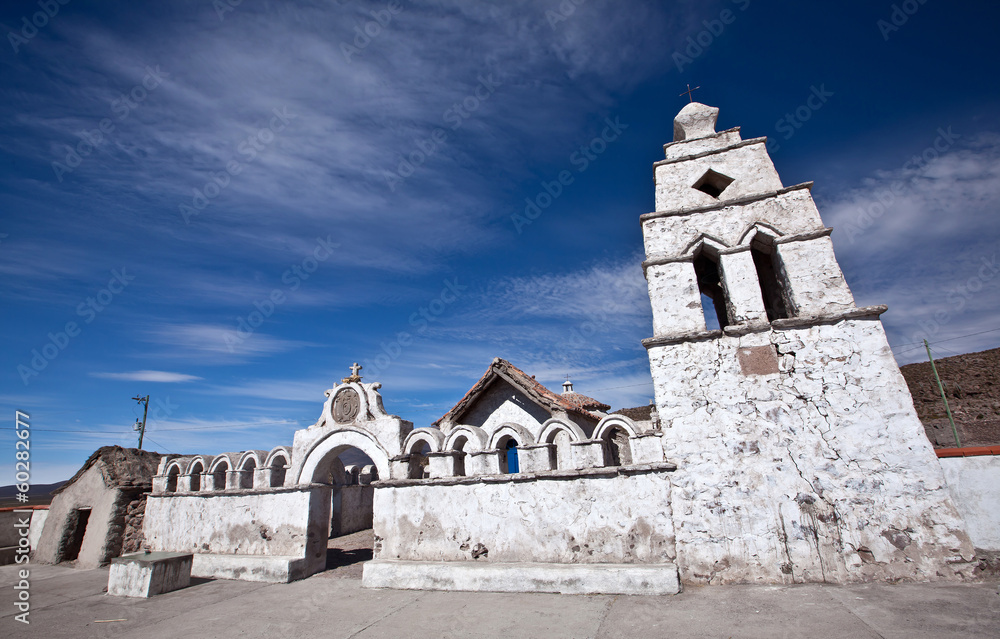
783, 446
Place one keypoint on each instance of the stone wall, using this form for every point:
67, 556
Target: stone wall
135, 511
974, 483
620, 516
819, 471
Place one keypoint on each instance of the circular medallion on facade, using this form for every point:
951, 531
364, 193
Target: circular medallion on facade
346, 405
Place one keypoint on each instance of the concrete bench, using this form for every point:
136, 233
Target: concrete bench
146, 574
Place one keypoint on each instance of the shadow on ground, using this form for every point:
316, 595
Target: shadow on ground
346, 555
337, 558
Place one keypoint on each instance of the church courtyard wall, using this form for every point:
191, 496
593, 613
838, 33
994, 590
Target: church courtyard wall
601, 515
288, 525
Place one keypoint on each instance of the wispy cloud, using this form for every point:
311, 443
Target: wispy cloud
209, 343
922, 239
148, 376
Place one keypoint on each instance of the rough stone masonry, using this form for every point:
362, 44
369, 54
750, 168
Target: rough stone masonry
799, 454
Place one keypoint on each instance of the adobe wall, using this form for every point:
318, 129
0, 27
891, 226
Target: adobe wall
606, 515
104, 533
805, 462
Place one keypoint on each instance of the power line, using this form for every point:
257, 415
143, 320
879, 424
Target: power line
921, 343
594, 390
159, 445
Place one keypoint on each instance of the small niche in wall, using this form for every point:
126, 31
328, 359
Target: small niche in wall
713, 183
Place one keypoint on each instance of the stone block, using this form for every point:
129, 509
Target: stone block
485, 462
149, 574
588, 454
646, 448
441, 464
535, 458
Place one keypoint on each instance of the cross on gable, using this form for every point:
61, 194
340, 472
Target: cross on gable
353, 377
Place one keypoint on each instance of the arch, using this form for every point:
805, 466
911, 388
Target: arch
175, 464
352, 473
708, 271
560, 434
770, 275
336, 442
247, 464
195, 470
704, 242
552, 426
758, 227
220, 462
615, 435
220, 466
611, 421
432, 436
283, 453
368, 474
520, 434
194, 461
506, 440
251, 459
173, 472
477, 438
278, 460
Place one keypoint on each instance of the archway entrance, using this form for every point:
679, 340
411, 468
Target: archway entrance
348, 461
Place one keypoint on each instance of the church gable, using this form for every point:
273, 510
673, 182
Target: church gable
501, 403
506, 394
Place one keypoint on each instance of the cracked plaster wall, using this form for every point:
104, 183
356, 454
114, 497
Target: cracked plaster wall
619, 519
279, 522
819, 472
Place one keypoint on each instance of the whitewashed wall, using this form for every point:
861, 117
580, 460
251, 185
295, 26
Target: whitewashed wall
974, 483
283, 522
819, 471
602, 517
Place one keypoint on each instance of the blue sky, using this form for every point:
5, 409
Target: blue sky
171, 169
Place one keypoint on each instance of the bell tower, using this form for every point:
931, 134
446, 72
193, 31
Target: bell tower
800, 456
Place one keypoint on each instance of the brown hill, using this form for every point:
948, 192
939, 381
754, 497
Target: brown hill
972, 385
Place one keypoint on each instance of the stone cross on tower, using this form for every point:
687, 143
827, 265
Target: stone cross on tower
689, 92
353, 377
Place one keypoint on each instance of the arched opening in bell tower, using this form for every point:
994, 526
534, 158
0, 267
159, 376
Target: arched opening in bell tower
713, 296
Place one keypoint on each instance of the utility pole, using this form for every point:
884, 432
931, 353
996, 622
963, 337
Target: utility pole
944, 397
141, 428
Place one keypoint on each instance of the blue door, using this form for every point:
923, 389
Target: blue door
512, 466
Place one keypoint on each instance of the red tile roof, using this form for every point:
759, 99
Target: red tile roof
501, 368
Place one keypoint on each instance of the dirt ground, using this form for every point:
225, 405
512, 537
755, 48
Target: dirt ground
972, 385
346, 555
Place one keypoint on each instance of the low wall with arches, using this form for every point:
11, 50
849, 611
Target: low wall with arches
559, 445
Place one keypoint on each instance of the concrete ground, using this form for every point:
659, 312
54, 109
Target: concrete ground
71, 603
